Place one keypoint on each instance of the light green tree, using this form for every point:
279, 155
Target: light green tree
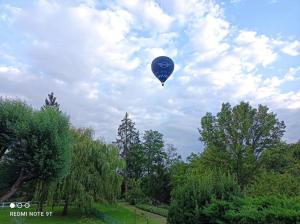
237, 136
93, 175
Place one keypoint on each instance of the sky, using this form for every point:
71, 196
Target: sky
96, 57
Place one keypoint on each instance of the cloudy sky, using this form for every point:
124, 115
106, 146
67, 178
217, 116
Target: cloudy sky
96, 56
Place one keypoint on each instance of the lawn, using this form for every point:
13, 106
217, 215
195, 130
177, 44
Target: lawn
121, 213
128, 215
73, 217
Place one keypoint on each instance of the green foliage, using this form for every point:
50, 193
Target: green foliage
153, 209
189, 200
36, 144
135, 194
178, 173
93, 174
283, 158
14, 115
51, 102
135, 161
128, 144
240, 134
273, 183
156, 181
47, 145
262, 210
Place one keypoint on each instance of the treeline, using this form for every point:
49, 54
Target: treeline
147, 175
246, 173
43, 158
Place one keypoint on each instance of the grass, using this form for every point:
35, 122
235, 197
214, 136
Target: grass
74, 217
126, 215
152, 216
153, 209
121, 212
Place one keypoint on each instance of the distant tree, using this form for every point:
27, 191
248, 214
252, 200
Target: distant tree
127, 142
172, 157
240, 135
51, 101
42, 151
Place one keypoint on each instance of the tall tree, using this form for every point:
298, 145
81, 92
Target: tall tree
156, 178
136, 162
127, 141
51, 102
153, 146
238, 136
43, 149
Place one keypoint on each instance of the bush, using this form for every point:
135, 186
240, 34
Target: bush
249, 210
135, 194
153, 209
272, 183
190, 200
264, 210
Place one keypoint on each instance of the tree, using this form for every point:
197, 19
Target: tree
189, 200
93, 174
127, 142
135, 162
51, 102
172, 157
42, 186
43, 149
241, 134
156, 180
153, 147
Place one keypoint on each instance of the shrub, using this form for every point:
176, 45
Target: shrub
273, 183
264, 210
135, 194
250, 210
189, 201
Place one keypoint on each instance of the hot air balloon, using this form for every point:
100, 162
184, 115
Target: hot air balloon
162, 67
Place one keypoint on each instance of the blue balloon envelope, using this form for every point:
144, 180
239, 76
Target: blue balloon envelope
162, 67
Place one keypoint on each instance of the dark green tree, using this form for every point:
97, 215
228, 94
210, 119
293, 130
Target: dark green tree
155, 182
153, 147
240, 135
127, 142
136, 162
51, 102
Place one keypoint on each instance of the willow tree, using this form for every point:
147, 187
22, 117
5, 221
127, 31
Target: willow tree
93, 175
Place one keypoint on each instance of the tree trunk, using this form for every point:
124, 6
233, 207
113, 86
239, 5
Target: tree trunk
16, 186
66, 206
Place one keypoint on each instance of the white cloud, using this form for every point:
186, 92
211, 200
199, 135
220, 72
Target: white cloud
97, 60
149, 14
292, 48
254, 50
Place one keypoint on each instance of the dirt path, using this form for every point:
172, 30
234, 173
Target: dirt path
158, 218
